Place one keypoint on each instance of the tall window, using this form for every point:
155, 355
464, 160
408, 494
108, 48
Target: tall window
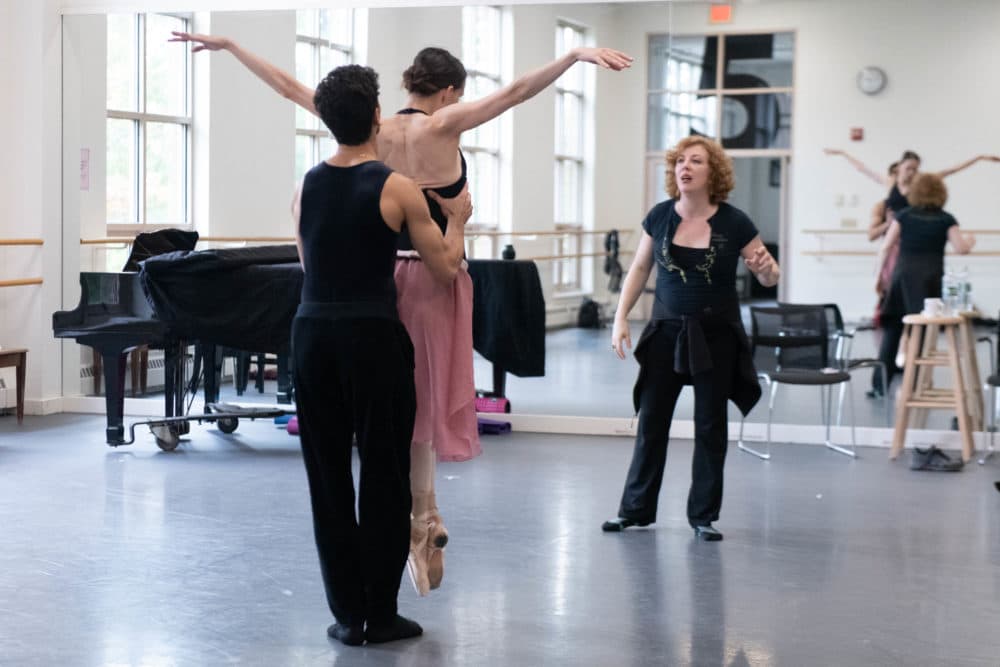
569, 162
324, 39
481, 55
734, 88
148, 122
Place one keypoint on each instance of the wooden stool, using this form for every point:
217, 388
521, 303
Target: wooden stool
918, 394
18, 358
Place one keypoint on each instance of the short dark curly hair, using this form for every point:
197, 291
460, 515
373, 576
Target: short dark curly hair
346, 100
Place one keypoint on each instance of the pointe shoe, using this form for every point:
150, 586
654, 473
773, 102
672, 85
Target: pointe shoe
437, 538
416, 560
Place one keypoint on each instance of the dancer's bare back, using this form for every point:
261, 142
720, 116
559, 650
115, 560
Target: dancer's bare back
416, 145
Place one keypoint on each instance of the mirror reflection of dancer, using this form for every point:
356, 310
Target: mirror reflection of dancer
899, 188
695, 335
921, 231
354, 359
422, 142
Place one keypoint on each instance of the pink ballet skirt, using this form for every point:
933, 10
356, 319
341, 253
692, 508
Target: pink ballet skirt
439, 321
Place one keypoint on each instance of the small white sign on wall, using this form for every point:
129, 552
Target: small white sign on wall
84, 169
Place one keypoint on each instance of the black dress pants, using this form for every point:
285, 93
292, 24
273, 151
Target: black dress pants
658, 397
892, 333
354, 377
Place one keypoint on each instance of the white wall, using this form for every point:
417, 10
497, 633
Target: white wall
29, 190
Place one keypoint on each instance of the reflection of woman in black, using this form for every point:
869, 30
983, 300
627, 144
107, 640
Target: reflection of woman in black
695, 336
899, 183
922, 232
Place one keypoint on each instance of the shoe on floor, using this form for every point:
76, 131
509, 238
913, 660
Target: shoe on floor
352, 635
933, 459
619, 524
398, 628
874, 393
707, 533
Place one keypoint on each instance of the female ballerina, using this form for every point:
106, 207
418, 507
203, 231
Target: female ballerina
695, 335
421, 141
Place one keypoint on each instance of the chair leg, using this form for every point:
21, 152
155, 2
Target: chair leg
991, 428
765, 455
852, 452
840, 404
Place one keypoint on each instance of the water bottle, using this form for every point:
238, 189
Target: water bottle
950, 292
965, 289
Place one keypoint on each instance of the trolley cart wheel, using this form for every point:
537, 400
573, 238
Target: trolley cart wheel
167, 436
228, 424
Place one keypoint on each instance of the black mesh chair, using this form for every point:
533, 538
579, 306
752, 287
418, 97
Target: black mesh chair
791, 345
841, 343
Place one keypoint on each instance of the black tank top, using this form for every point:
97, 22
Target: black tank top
896, 201
447, 192
349, 253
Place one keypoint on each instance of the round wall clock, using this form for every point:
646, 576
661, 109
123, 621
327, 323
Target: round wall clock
871, 80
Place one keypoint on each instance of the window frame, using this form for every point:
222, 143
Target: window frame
481, 234
140, 119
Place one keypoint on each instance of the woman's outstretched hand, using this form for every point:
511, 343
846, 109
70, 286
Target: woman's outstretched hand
620, 338
605, 57
201, 42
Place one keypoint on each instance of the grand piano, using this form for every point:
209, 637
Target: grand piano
241, 298
245, 299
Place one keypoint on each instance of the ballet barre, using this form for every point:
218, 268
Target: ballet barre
21, 242
20, 281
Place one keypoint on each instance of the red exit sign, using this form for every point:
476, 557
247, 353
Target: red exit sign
719, 13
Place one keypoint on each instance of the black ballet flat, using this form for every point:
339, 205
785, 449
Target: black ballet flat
352, 635
619, 524
707, 533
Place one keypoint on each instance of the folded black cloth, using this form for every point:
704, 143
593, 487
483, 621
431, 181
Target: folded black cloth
933, 459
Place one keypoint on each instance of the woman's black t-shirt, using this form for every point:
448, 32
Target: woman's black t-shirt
923, 231
689, 280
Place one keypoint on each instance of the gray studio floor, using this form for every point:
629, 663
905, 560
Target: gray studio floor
204, 556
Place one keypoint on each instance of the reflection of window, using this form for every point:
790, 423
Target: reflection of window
569, 162
148, 122
481, 55
749, 108
324, 40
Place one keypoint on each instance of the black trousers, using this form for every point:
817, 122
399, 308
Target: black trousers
892, 333
355, 378
658, 398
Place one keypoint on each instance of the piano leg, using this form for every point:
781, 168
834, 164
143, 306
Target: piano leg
173, 382
213, 365
113, 365
285, 391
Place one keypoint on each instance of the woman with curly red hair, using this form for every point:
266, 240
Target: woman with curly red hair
695, 335
922, 230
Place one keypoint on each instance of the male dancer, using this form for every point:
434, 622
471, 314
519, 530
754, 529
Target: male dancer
354, 360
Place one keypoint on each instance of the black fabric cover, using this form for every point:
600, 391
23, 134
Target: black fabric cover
508, 315
162, 241
238, 297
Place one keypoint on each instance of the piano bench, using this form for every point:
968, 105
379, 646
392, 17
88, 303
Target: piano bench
16, 358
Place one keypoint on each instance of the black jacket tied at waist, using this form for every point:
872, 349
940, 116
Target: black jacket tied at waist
693, 351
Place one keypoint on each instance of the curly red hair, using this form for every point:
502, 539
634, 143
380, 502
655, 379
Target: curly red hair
720, 180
